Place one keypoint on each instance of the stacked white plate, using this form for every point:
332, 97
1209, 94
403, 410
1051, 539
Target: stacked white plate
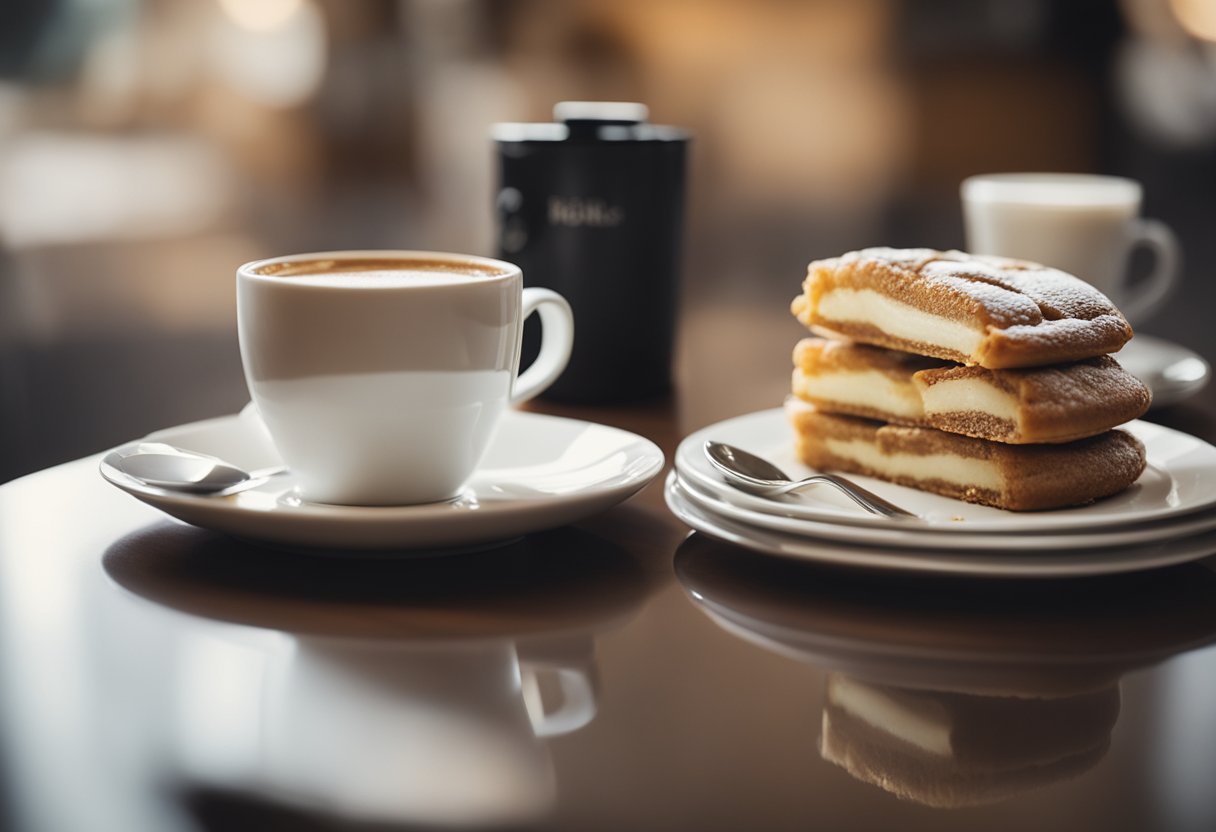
1168, 516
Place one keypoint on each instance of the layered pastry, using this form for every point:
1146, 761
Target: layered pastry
950, 750
1015, 477
987, 311
1029, 405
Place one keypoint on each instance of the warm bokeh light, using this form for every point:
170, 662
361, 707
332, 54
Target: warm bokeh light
140, 138
261, 15
1198, 17
275, 61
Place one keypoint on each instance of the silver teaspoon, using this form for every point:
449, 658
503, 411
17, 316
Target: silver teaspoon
163, 466
750, 473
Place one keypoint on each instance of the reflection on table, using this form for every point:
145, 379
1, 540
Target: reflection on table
280, 691
954, 693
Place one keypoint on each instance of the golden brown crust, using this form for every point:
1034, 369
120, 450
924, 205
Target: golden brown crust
1032, 477
1024, 314
1061, 403
818, 354
1054, 404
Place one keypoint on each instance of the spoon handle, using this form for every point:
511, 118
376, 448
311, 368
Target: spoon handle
267, 473
865, 498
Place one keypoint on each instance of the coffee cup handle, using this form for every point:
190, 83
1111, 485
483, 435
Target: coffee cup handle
557, 339
573, 667
1160, 283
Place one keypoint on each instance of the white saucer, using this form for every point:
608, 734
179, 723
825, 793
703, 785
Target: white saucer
540, 472
1180, 479
1171, 371
1045, 563
897, 534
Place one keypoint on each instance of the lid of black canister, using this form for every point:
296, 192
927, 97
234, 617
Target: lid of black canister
591, 121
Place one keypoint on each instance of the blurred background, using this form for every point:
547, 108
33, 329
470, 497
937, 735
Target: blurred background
148, 147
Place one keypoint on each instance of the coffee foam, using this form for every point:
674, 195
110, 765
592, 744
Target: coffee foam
379, 273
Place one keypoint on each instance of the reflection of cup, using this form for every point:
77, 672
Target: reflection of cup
1083, 224
381, 375
429, 734
283, 651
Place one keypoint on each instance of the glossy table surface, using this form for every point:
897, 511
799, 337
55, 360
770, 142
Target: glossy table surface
616, 674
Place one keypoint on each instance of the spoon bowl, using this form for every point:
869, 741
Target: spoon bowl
750, 473
169, 468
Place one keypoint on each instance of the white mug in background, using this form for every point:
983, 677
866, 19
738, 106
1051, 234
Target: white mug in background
1083, 224
381, 375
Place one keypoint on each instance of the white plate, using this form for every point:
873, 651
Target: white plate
898, 536
540, 472
1047, 563
1181, 478
1171, 371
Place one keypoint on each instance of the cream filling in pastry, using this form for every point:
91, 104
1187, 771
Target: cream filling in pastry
866, 306
958, 470
866, 388
969, 394
922, 723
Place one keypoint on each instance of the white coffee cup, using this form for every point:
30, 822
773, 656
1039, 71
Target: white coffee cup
381, 375
1083, 224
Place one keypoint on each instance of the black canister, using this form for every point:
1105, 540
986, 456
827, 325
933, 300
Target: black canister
592, 206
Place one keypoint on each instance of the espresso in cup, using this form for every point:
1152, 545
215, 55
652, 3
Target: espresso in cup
382, 375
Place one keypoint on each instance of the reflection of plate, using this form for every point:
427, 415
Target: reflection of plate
993, 562
540, 472
950, 692
1181, 477
1171, 371
953, 633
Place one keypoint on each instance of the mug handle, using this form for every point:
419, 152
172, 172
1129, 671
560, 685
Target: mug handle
1149, 297
573, 666
557, 339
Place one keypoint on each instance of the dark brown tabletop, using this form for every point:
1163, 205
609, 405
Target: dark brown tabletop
158, 677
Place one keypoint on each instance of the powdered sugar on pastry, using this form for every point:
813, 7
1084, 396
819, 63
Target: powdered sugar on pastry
986, 311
